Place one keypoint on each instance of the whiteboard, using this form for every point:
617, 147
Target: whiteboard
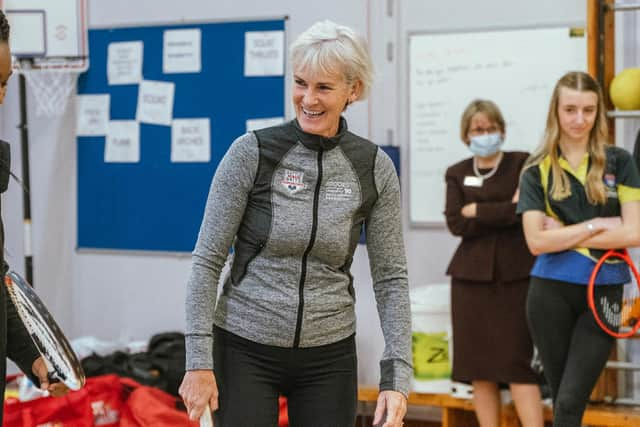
517, 69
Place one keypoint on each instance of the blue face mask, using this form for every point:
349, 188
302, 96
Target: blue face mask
486, 145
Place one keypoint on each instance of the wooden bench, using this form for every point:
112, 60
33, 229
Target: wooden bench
459, 412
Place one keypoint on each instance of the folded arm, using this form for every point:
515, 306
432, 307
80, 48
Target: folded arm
595, 233
543, 240
627, 234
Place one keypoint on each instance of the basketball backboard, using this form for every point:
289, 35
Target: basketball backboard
48, 32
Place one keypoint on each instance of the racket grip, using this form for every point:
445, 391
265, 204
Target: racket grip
52, 378
205, 419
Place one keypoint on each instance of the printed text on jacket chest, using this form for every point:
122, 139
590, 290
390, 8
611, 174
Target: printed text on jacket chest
336, 190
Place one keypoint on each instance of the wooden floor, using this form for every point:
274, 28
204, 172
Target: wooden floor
363, 421
459, 412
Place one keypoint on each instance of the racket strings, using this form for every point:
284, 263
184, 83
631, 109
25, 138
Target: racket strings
619, 311
41, 334
616, 306
611, 311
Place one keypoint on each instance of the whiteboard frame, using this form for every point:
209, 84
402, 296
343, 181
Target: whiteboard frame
440, 224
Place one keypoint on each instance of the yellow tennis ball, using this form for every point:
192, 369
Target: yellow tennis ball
625, 89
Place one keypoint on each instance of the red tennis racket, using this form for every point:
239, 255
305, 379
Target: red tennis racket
616, 309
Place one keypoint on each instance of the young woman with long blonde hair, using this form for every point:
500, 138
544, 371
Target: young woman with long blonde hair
579, 195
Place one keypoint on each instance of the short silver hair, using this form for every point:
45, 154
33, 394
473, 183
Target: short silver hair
331, 48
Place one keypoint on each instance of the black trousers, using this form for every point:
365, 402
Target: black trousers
320, 383
572, 347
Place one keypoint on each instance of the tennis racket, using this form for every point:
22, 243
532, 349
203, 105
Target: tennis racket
616, 309
61, 361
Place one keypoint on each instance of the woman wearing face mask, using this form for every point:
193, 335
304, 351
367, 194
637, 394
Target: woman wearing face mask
490, 271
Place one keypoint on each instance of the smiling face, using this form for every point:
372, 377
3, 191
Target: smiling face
319, 99
577, 112
5, 69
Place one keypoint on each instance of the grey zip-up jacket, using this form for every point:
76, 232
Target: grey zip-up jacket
293, 205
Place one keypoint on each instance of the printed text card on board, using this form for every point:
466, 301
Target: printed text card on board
190, 140
124, 63
92, 115
122, 144
264, 53
182, 51
155, 102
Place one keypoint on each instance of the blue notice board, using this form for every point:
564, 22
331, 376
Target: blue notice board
157, 205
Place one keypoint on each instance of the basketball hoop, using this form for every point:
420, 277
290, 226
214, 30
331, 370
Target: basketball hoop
51, 84
50, 41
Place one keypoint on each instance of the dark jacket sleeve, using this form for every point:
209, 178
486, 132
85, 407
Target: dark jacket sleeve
489, 214
502, 213
20, 347
497, 214
493, 239
459, 225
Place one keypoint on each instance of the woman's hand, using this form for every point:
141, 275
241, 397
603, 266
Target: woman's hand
516, 196
469, 210
198, 389
55, 389
390, 409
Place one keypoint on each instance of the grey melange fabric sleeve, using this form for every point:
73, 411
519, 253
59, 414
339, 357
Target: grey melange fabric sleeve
385, 246
225, 208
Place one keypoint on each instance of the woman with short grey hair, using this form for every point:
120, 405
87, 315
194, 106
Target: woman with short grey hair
293, 200
334, 49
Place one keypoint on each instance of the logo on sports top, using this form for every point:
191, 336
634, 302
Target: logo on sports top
293, 181
610, 180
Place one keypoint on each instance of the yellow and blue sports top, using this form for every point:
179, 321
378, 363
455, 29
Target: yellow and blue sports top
622, 182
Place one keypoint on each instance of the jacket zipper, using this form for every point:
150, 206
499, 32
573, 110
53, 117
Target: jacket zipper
312, 239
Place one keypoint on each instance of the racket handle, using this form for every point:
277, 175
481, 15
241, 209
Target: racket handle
52, 377
205, 419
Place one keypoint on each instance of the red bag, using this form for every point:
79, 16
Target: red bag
106, 401
151, 407
72, 410
98, 403
106, 396
283, 416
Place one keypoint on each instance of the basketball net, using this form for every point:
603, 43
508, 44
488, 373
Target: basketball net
51, 86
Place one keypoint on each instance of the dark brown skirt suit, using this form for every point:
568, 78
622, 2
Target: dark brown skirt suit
489, 276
